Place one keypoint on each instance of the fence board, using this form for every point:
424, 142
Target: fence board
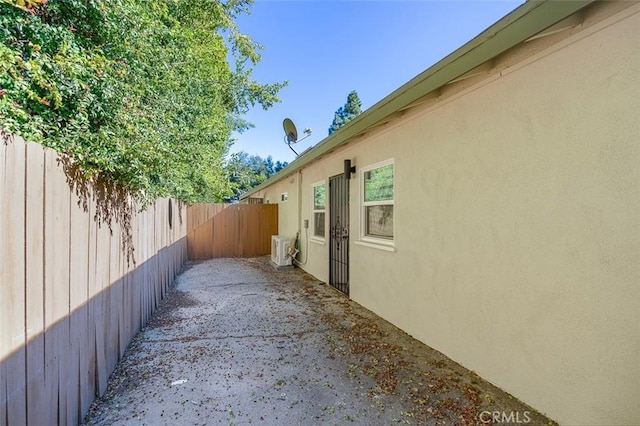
34, 256
240, 230
11, 229
56, 284
12, 305
34, 237
93, 289
199, 213
56, 239
77, 337
79, 254
65, 382
51, 371
80, 338
36, 395
4, 198
16, 388
100, 317
99, 332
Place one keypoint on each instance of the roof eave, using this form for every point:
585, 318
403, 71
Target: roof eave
516, 27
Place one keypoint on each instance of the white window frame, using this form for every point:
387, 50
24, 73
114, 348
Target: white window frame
364, 238
313, 236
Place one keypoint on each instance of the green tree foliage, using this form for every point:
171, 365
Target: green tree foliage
133, 92
247, 171
319, 197
346, 113
378, 184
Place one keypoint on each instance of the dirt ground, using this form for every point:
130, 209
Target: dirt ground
237, 342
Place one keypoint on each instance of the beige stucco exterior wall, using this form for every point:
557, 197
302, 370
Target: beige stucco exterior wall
517, 226
287, 210
518, 232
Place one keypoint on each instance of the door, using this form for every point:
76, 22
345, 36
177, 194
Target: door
339, 233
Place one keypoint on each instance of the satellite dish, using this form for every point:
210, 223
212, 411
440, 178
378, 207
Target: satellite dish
291, 134
290, 130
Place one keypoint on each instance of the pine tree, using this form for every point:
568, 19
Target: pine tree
346, 113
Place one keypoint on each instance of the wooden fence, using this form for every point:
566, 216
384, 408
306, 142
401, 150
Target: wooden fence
238, 230
197, 214
69, 301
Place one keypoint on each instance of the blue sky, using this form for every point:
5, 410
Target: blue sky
325, 49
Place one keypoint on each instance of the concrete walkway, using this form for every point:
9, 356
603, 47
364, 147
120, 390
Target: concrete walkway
236, 342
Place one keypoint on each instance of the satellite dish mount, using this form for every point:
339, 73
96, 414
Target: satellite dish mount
291, 134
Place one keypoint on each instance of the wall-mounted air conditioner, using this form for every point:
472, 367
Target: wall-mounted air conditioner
280, 247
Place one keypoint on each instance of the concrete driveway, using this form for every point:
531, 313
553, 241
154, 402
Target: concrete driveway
237, 342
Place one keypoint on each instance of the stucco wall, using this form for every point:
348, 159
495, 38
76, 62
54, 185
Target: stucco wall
517, 231
287, 210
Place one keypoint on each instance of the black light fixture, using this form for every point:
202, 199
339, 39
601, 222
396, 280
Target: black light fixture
348, 169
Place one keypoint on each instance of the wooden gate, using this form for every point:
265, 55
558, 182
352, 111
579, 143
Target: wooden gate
230, 230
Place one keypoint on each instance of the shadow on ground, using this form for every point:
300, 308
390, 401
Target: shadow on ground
237, 342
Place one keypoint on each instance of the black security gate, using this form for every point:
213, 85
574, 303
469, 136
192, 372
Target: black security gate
339, 233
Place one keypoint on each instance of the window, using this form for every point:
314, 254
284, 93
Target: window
319, 208
377, 202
